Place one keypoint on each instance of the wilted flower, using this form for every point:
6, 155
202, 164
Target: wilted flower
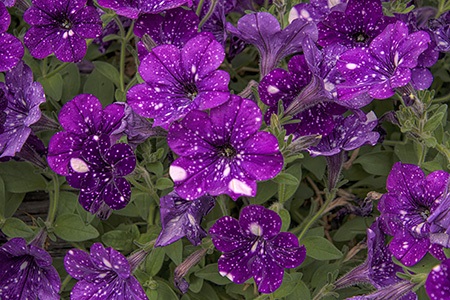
180, 217
11, 49
61, 27
378, 269
99, 172
222, 152
102, 274
264, 32
412, 197
253, 246
180, 80
81, 118
26, 272
20, 98
384, 66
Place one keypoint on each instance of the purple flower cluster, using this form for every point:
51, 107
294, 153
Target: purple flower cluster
253, 246
61, 27
11, 49
102, 274
222, 152
407, 210
27, 272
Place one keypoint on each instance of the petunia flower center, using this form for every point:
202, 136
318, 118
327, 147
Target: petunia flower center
424, 212
191, 91
227, 151
360, 37
66, 24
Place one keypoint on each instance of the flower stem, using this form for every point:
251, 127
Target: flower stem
329, 197
199, 7
57, 70
54, 199
208, 14
65, 282
123, 50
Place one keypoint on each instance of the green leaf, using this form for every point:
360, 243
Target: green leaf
206, 293
154, 261
315, 165
70, 227
301, 291
2, 198
406, 153
165, 292
72, 82
121, 240
99, 86
287, 286
286, 178
211, 273
175, 252
378, 163
53, 86
163, 183
320, 248
109, 71
352, 228
436, 119
67, 203
265, 191
14, 227
12, 203
195, 283
21, 177
285, 218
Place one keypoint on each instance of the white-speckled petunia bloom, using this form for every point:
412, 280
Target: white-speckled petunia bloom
20, 98
253, 246
180, 80
180, 217
104, 274
61, 27
438, 282
26, 272
81, 118
384, 66
99, 172
222, 152
406, 210
11, 49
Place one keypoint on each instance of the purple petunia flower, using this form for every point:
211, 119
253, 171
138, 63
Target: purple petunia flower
223, 152
316, 10
306, 90
98, 172
264, 32
26, 272
441, 32
11, 49
178, 81
181, 218
81, 118
20, 97
438, 282
132, 8
253, 246
405, 209
102, 274
350, 133
378, 269
176, 27
384, 66
361, 22
61, 27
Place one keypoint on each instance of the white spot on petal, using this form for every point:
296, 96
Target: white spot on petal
272, 89
240, 187
351, 66
177, 173
78, 165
